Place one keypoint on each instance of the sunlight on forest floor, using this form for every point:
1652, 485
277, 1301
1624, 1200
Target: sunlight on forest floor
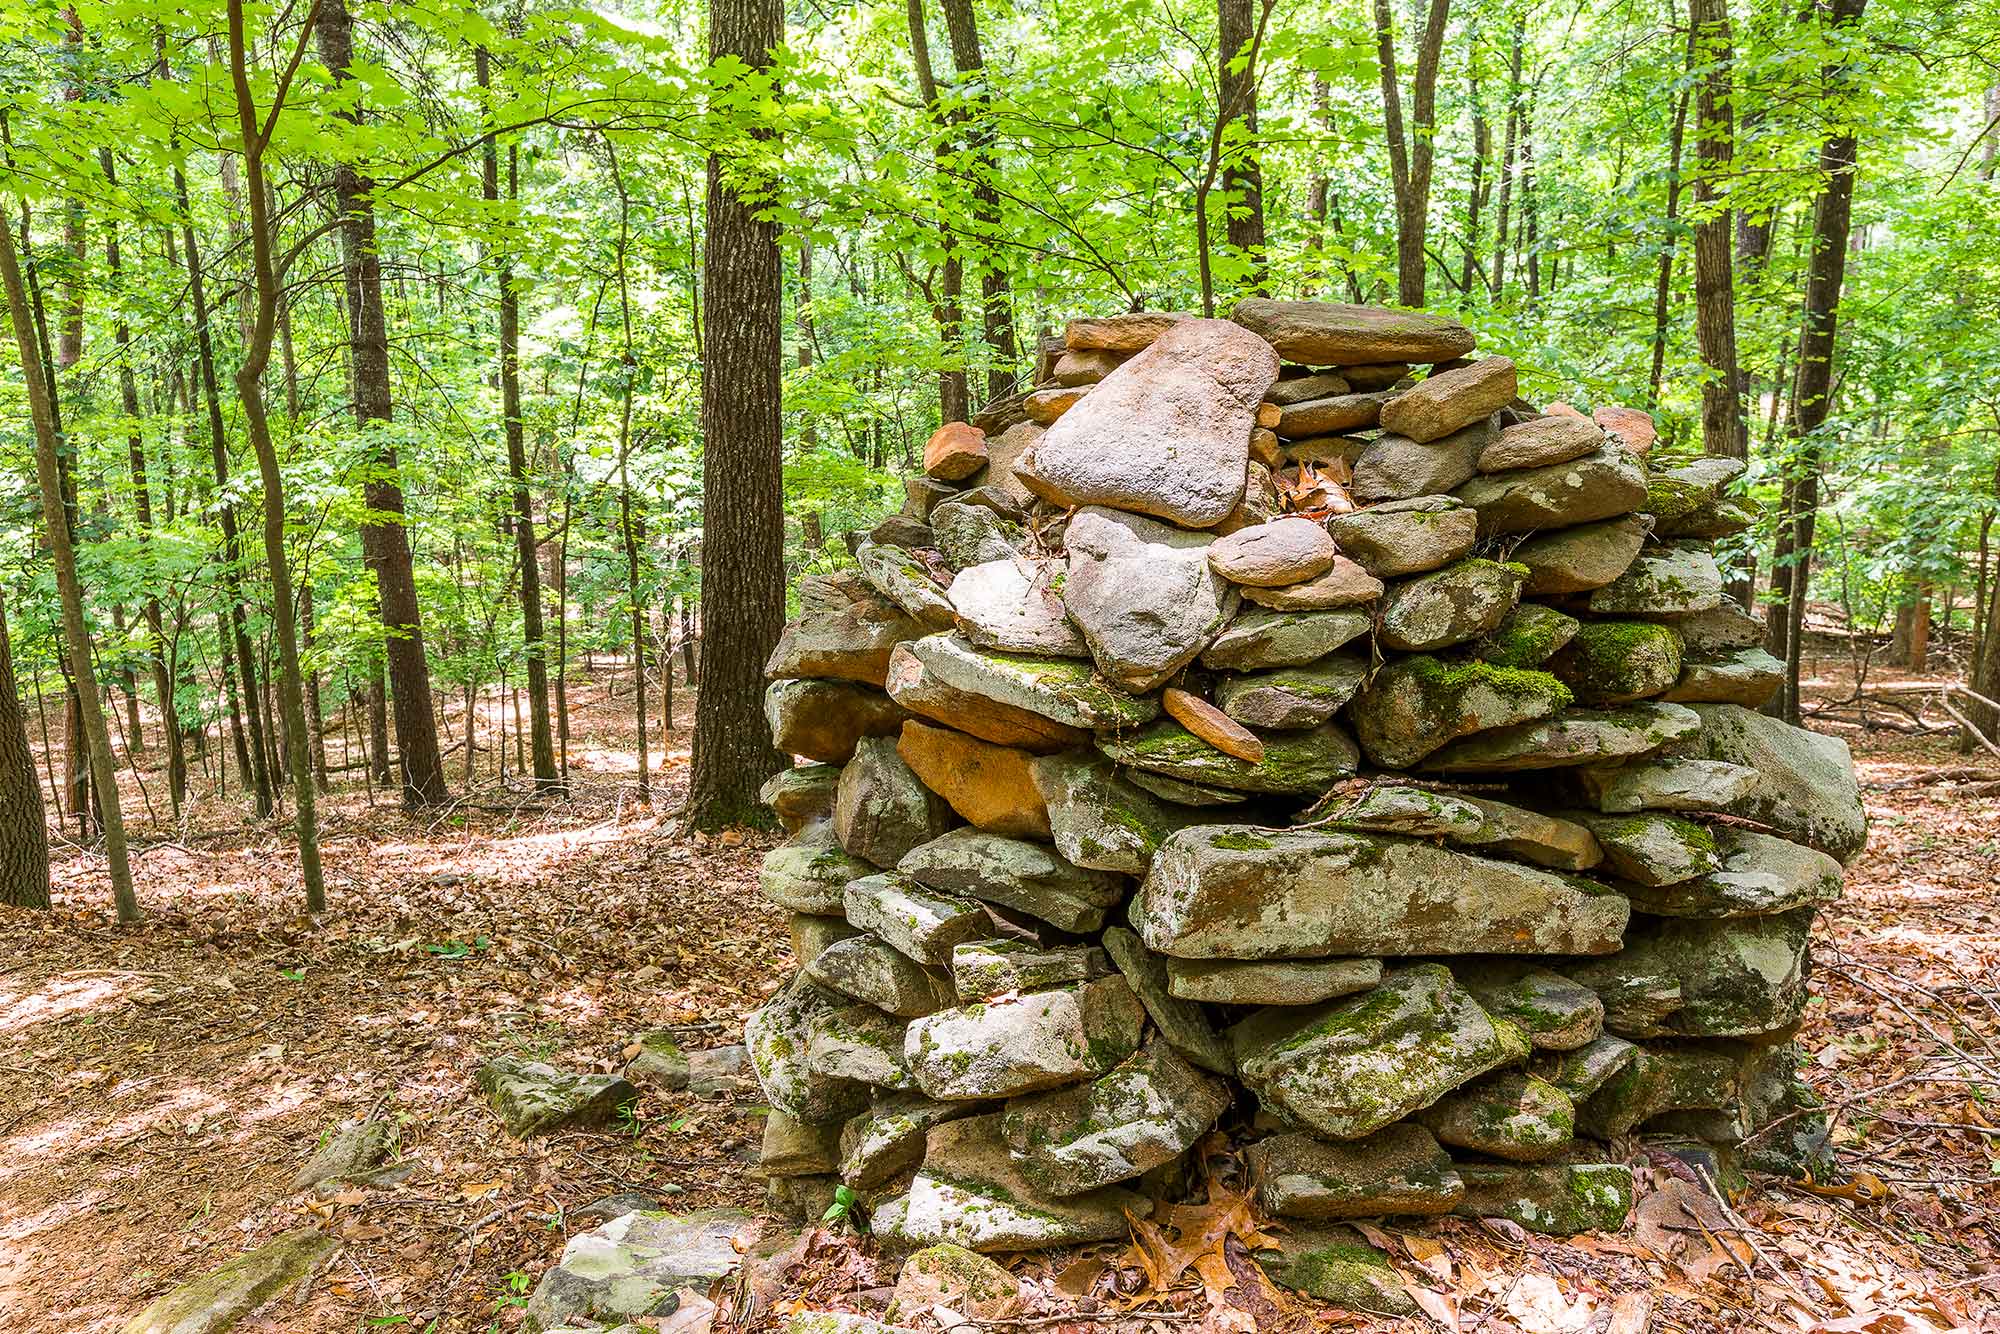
165, 1084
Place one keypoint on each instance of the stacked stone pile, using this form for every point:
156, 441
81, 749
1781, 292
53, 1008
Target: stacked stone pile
1275, 724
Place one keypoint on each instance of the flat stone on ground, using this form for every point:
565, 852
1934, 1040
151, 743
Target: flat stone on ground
532, 1098
223, 1299
635, 1265
1337, 1266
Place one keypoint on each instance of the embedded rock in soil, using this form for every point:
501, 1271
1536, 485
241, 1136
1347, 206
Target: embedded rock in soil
1573, 737
536, 1099
1289, 698
1167, 433
998, 1049
1415, 705
1513, 1116
882, 809
923, 691
1541, 442
1579, 559
1339, 1267
1270, 981
1596, 486
1327, 333
1667, 785
1260, 638
1402, 537
918, 921
722, 1072
1448, 400
1652, 850
1671, 580
1748, 677
809, 872
1449, 606
801, 795
823, 720
1182, 1023
1146, 1111
660, 1064
869, 969
1100, 820
1143, 594
1557, 1198
225, 1298
991, 787
1014, 873
1302, 762
635, 1266
1395, 467
844, 630
1348, 1068
1271, 555
777, 1036
959, 1280
1556, 1013
1807, 789
357, 1147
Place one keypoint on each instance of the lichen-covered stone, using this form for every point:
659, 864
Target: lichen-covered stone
1583, 1071
1579, 559
1003, 1048
1512, 1115
1184, 1025
1143, 594
881, 809
793, 1148
1011, 605
1099, 819
1545, 840
1240, 892
1288, 698
1596, 486
1396, 467
1029, 877
1397, 1170
823, 720
808, 873
1759, 875
844, 631
1726, 627
1260, 638
1540, 442
777, 1036
1146, 1111
1063, 690
1352, 1066
1556, 1013
924, 693
1397, 808
1403, 537
984, 969
1747, 676
989, 786
888, 1138
901, 578
970, 1193
868, 968
1806, 788
1300, 762
1414, 705
1337, 1266
532, 1098
970, 535
1659, 1078
635, 1266
1561, 1199
1197, 795
1269, 981
919, 921
1667, 784
660, 1062
222, 1299
1651, 849
1616, 662
802, 795
957, 1279
1736, 977
1449, 606
1669, 580
857, 1042
1527, 636
1573, 737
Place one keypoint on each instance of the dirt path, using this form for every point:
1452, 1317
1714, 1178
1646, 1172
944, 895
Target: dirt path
161, 1086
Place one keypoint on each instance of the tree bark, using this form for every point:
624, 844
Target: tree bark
24, 829
75, 628
998, 303
954, 397
1242, 174
743, 553
1411, 152
1509, 162
1664, 281
1482, 144
385, 542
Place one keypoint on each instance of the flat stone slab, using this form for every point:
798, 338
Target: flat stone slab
1145, 1112
1300, 762
1729, 977
1288, 698
225, 1298
1746, 676
1444, 401
986, 969
1396, 808
808, 872
1063, 690
1651, 849
1398, 1170
1545, 840
1573, 737
1807, 790
1015, 873
1240, 892
1001, 1049
1596, 486
1329, 333
1758, 875
918, 921
1269, 981
1261, 638
532, 1098
1352, 1066
1670, 580
1415, 705
923, 692
1541, 442
1586, 1069
1666, 784
1395, 467
635, 1265
845, 630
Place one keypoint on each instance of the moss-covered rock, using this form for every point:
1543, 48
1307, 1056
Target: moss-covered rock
1146, 1111
1585, 1070
1746, 676
888, 1138
1573, 737
1300, 763
1615, 662
951, 1276
1661, 1078
1556, 1013
1598, 485
1270, 981
1462, 601
921, 923
902, 579
983, 969
1651, 849
1528, 636
1403, 537
1759, 875
802, 795
1261, 638
1417, 704
1669, 580
1002, 1048
1028, 876
1577, 560
1184, 1024
1561, 1199
1667, 784
777, 1036
635, 1265
1063, 690
1806, 789
1397, 1170
881, 808
857, 1042
1735, 977
868, 968
1512, 1115
533, 1098
1288, 698
1533, 836
1398, 808
1338, 1267
222, 1299
1099, 819
809, 872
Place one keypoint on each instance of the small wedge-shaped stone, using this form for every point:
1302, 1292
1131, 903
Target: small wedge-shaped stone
971, 1193
1533, 836
1616, 662
777, 1036
1448, 606
844, 630
1556, 1013
1586, 1069
888, 1138
1028, 877
1184, 1024
1063, 690
823, 720
1666, 784
1344, 584
1011, 605
1167, 433
868, 968
1560, 1199
1579, 559
1737, 977
1328, 333
971, 535
1396, 808
1098, 818
1596, 486
1806, 789
1447, 400
1651, 850
809, 872
1540, 442
1271, 555
1143, 594
882, 809
1513, 1116
1747, 676
1302, 762
857, 1042
922, 923
914, 686
1573, 737
1759, 875
989, 786
793, 1148
1212, 725
901, 577
221, 1300
1003, 1048
802, 795
1146, 1111
1352, 1066
636, 1265
1403, 537
983, 969
1417, 704
1395, 467
1239, 892
1293, 697
1670, 580
1527, 636
1270, 981
1260, 638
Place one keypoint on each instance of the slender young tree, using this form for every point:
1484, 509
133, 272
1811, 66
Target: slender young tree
1237, 40
948, 299
743, 549
962, 25
24, 830
1411, 151
1663, 282
76, 629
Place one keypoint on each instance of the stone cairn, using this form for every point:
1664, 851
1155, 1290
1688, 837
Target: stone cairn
1241, 730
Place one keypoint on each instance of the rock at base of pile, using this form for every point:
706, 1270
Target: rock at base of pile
634, 1266
220, 1300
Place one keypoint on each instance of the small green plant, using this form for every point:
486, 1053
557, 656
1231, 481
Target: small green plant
292, 974
514, 1293
843, 1209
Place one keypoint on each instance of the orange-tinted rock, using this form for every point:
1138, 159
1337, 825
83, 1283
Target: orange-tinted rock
1634, 429
991, 787
954, 452
1045, 406
1212, 725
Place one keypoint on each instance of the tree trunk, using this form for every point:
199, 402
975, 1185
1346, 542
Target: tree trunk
385, 544
1663, 283
743, 552
1725, 431
1826, 272
803, 315
954, 397
315, 713
250, 389
1242, 174
1410, 155
998, 303
1482, 144
75, 628
24, 830
1509, 159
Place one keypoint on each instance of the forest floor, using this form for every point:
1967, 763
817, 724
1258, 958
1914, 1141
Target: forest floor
163, 1084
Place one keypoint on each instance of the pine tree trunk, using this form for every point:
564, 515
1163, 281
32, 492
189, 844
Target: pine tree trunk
24, 830
743, 554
